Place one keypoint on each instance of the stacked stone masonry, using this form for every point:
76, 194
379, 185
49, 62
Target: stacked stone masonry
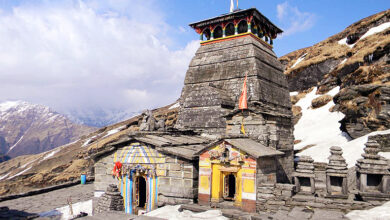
111, 200
177, 184
213, 83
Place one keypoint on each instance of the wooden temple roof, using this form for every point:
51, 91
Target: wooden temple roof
238, 14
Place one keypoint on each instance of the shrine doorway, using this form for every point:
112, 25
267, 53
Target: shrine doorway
230, 187
140, 192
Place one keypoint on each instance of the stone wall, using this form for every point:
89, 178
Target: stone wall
177, 179
180, 183
271, 131
218, 71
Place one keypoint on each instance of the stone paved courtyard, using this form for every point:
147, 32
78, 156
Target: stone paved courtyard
58, 198
51, 200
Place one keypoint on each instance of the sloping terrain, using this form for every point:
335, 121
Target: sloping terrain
27, 128
358, 61
66, 163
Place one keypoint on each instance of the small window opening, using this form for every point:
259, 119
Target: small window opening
229, 29
242, 27
374, 181
336, 184
305, 184
207, 34
218, 32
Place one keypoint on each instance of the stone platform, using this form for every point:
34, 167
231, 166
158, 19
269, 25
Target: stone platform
295, 213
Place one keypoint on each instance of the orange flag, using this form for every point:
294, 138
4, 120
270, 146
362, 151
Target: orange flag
243, 104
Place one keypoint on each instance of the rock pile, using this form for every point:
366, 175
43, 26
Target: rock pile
111, 200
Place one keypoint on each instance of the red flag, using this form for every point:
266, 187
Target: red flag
243, 104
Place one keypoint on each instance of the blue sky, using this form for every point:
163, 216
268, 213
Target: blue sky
113, 55
329, 16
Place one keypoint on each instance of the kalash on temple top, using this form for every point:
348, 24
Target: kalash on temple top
235, 24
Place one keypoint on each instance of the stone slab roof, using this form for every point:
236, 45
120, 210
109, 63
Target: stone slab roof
253, 148
248, 145
185, 146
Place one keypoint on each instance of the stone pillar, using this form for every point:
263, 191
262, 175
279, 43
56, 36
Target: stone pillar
336, 168
249, 27
224, 32
236, 29
212, 35
373, 165
305, 169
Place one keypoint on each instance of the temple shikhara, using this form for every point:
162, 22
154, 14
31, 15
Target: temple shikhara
232, 142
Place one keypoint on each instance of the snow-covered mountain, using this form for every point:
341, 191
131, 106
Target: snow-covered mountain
27, 128
99, 117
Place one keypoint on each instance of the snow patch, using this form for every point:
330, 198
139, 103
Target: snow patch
15, 144
293, 93
5, 106
113, 131
172, 213
342, 62
377, 213
176, 105
64, 211
376, 29
352, 150
88, 141
98, 193
344, 42
299, 60
318, 127
26, 164
20, 173
4, 176
370, 32
51, 154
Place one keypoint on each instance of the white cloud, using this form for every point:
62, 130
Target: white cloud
294, 20
87, 54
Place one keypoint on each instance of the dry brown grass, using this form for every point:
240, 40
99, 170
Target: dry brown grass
330, 48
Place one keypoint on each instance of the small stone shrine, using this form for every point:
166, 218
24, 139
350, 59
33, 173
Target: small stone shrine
111, 200
336, 174
372, 172
304, 176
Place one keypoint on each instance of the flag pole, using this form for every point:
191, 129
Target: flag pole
243, 102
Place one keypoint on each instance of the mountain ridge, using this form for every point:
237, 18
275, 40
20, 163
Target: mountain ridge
27, 128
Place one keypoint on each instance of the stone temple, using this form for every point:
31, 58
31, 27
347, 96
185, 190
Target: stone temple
220, 154
236, 45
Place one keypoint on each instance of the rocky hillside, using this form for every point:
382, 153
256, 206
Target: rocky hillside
357, 60
67, 162
27, 128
